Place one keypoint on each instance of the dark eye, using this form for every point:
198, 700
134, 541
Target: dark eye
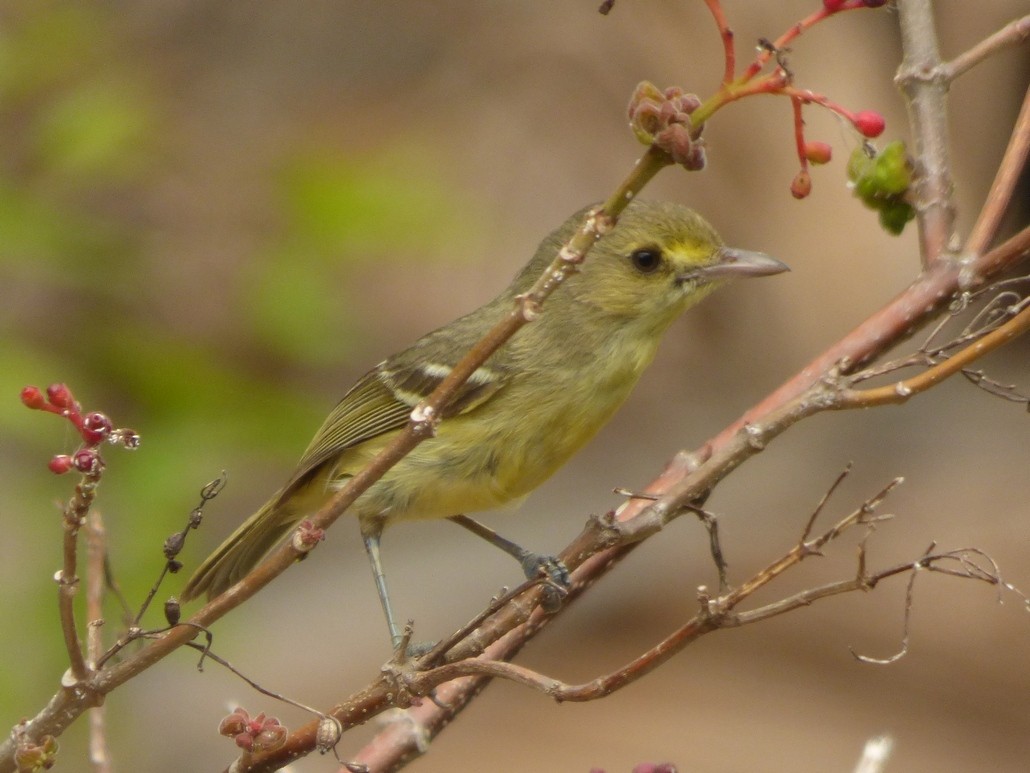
646, 260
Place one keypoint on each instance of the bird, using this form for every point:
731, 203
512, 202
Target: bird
522, 414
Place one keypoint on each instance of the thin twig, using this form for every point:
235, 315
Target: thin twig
902, 391
822, 502
96, 555
75, 513
1012, 34
1005, 181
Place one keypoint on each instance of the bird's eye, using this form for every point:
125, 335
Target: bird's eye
646, 260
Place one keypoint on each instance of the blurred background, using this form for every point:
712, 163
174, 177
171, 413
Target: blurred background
214, 217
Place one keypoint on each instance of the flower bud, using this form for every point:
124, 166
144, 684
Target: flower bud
31, 397
235, 723
96, 427
173, 613
272, 736
86, 460
306, 537
60, 395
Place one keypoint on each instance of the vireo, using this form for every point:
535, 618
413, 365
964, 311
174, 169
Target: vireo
521, 415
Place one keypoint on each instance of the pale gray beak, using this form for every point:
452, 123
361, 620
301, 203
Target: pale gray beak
731, 262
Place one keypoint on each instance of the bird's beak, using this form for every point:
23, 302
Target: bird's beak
730, 263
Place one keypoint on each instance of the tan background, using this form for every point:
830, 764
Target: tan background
507, 117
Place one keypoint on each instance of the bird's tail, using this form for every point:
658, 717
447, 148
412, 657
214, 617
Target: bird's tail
241, 551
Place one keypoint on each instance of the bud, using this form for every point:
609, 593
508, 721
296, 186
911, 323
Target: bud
173, 611
235, 723
60, 395
271, 737
801, 185
644, 108
306, 537
86, 460
818, 152
173, 545
31, 397
696, 158
96, 426
245, 741
29, 756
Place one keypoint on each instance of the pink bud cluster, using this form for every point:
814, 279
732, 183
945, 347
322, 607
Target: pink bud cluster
257, 734
662, 118
94, 428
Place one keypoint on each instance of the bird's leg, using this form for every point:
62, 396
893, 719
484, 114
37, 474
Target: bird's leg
371, 539
533, 564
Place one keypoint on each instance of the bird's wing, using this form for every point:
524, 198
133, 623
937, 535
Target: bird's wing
382, 401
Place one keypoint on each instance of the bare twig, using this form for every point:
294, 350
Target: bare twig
903, 650
1005, 180
822, 502
1012, 34
75, 513
96, 555
901, 391
174, 544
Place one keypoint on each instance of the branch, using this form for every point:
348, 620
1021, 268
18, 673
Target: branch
1012, 34
902, 391
96, 555
75, 513
1005, 181
927, 92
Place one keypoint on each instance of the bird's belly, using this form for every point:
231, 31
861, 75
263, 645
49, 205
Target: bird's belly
468, 468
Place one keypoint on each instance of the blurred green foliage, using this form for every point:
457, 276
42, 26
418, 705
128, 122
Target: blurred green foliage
338, 213
881, 181
85, 139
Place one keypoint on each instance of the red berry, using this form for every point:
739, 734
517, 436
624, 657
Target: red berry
869, 123
801, 185
96, 427
86, 460
60, 464
31, 397
833, 5
818, 152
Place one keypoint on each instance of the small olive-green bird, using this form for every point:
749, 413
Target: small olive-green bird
521, 415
